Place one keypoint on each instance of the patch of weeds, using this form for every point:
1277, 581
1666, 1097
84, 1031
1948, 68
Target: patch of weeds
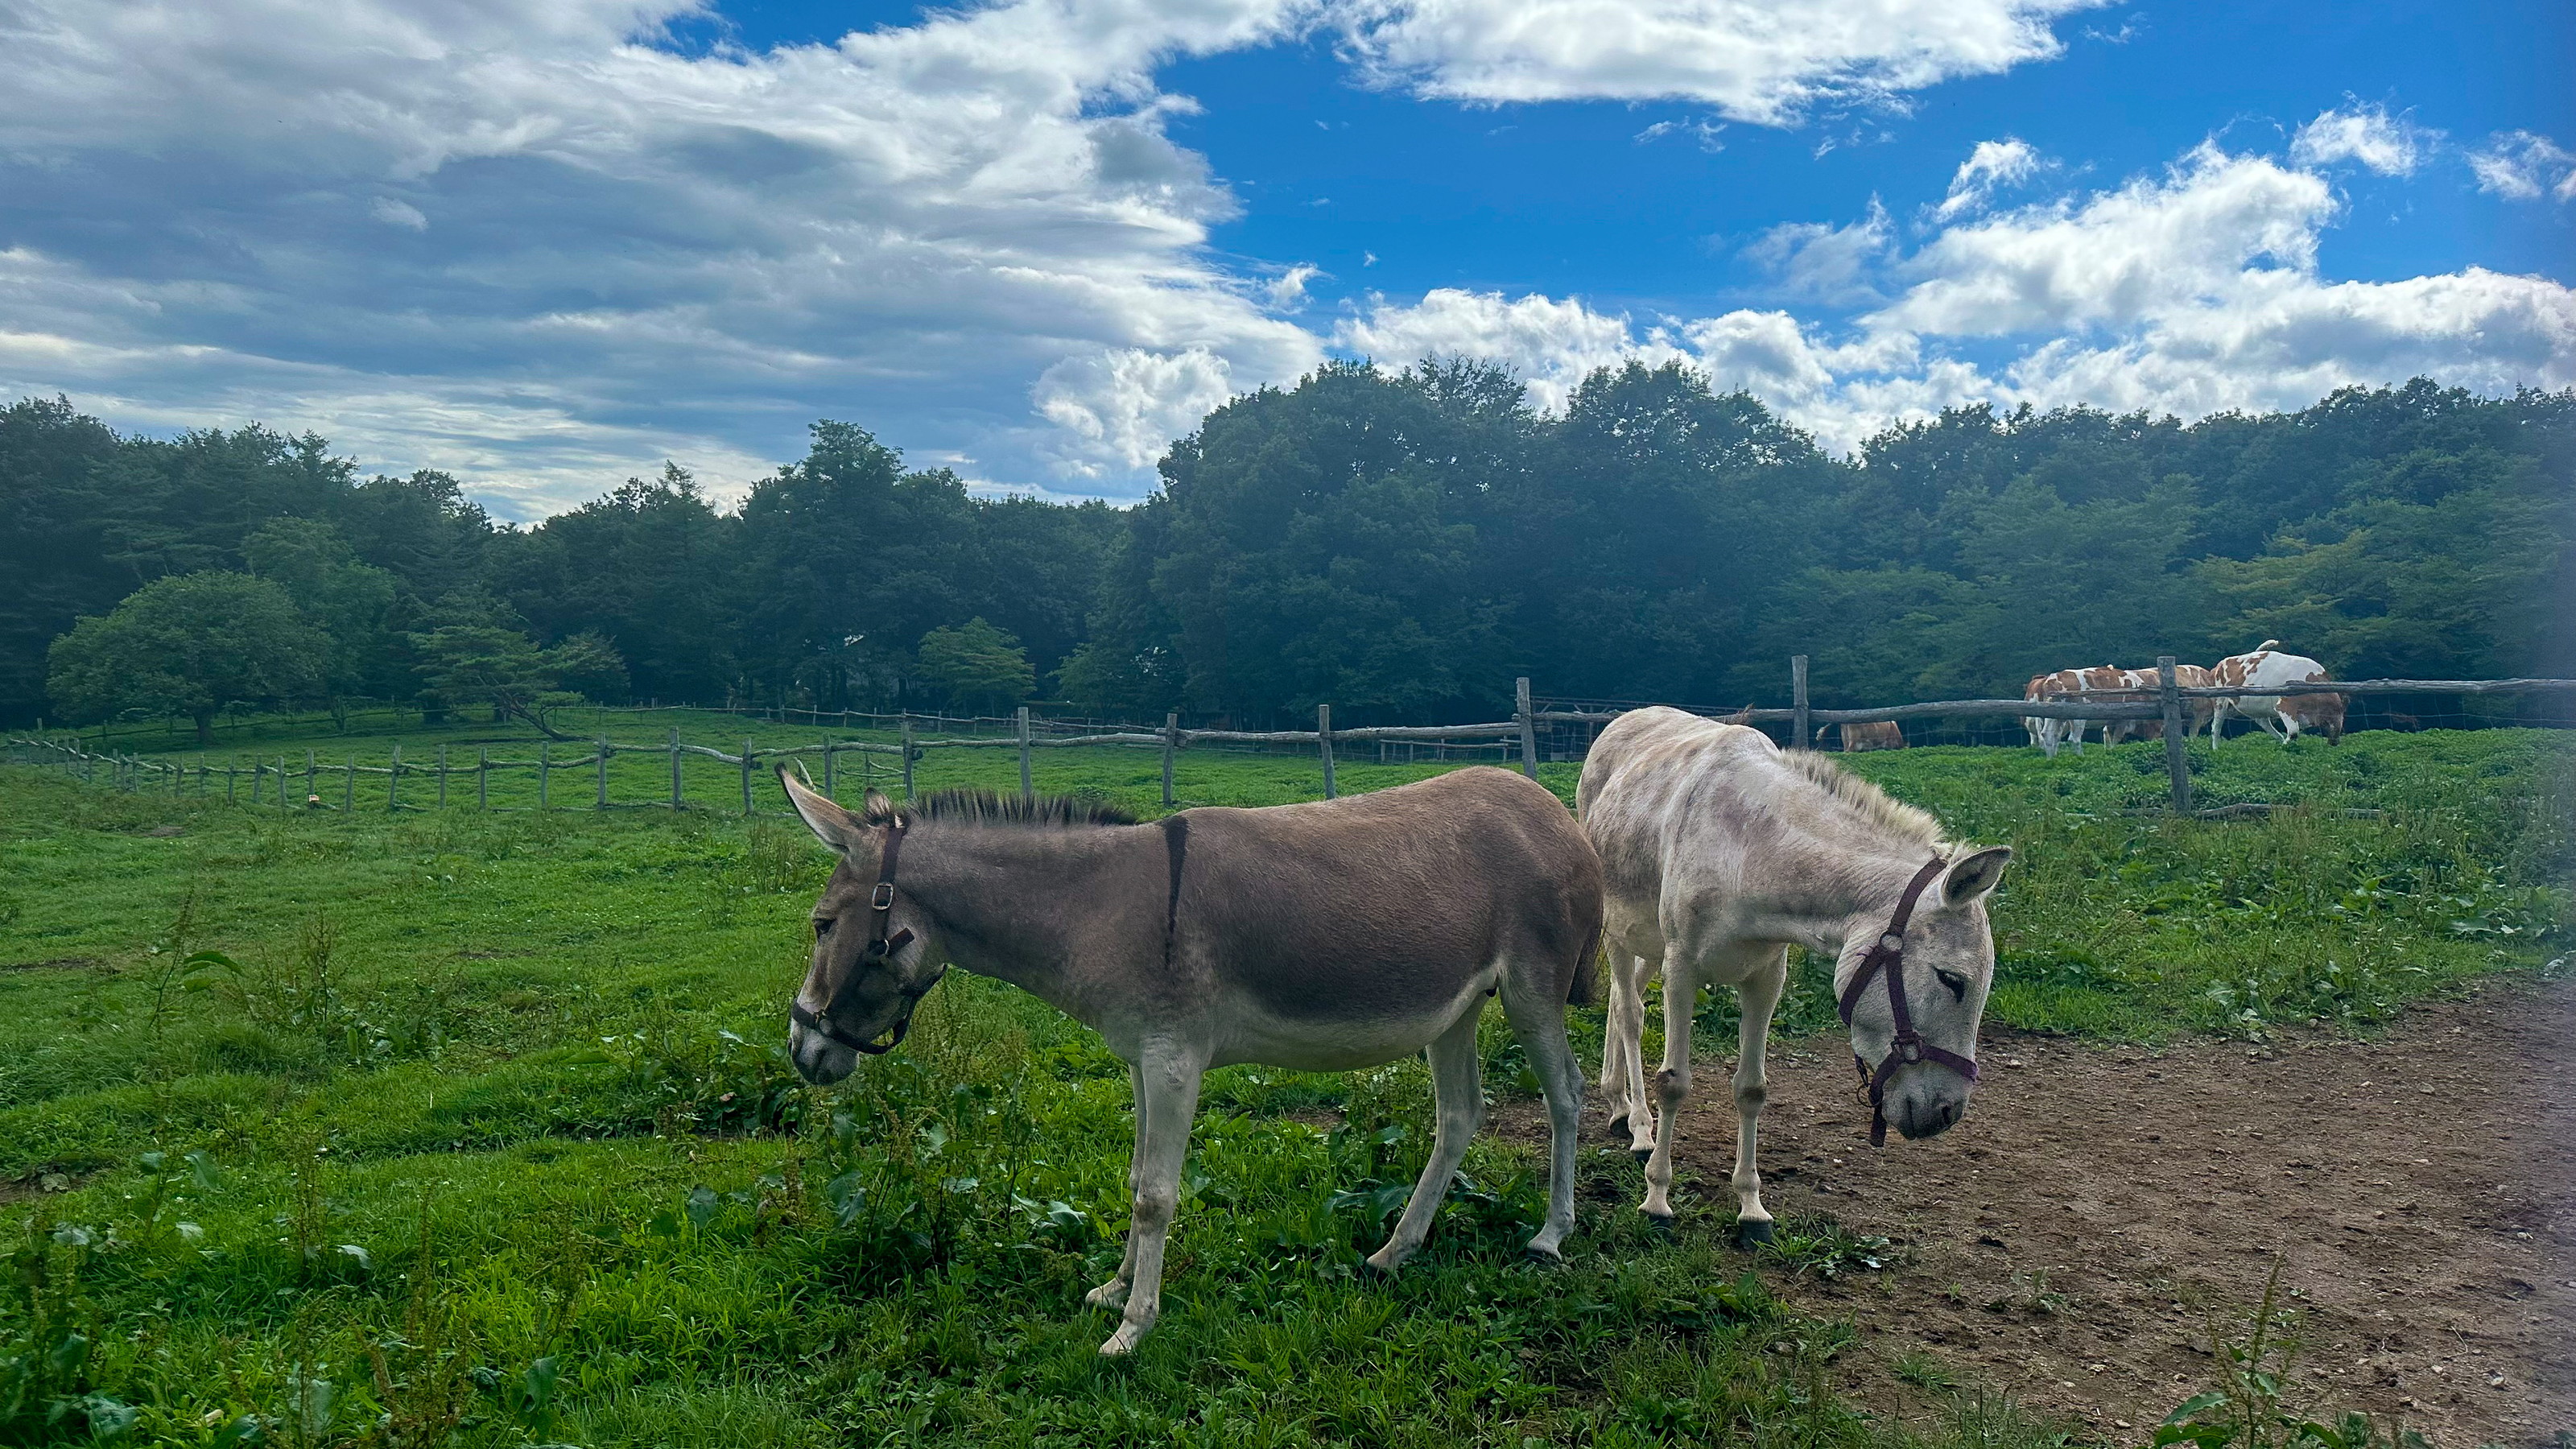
2249, 1407
1924, 1372
1818, 1243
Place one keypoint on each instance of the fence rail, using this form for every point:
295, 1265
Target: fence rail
1515, 740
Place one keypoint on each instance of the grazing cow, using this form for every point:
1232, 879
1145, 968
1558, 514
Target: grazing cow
2281, 716
2047, 733
2197, 713
1856, 738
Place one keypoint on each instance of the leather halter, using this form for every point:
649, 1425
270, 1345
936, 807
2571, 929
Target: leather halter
1909, 1046
880, 949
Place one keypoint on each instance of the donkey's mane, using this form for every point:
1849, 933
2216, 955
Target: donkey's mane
1870, 802
970, 805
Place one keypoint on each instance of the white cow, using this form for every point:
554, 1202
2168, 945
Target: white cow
2283, 717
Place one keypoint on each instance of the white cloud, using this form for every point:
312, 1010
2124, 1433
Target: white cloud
398, 213
1552, 345
1761, 61
1122, 408
1993, 164
2190, 293
2389, 145
1827, 263
2519, 166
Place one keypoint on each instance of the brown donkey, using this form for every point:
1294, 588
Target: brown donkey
1318, 937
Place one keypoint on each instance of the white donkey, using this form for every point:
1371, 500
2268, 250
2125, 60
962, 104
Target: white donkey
1323, 937
1717, 853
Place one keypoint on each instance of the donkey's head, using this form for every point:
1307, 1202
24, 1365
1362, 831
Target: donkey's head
1937, 984
872, 961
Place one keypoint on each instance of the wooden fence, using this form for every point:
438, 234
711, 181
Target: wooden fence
438, 779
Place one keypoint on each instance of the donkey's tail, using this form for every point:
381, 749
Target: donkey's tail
1584, 990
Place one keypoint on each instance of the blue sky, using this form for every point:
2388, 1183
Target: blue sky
1036, 239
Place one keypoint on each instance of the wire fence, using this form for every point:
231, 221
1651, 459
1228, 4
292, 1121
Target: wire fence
678, 775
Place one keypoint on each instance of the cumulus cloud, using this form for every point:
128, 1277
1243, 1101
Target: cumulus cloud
1991, 166
2191, 292
2389, 145
408, 223
1122, 408
1553, 345
1762, 61
2520, 166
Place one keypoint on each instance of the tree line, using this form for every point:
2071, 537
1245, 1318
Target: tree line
1399, 543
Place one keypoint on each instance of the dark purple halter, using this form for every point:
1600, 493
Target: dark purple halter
1909, 1046
880, 948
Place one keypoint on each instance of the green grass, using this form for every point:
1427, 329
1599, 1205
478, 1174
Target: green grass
523, 1065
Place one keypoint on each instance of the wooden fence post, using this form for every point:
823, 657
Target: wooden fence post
2177, 737
349, 789
828, 777
232, 774
1529, 726
393, 783
1799, 739
482, 777
281, 779
604, 753
1324, 742
1027, 790
545, 770
312, 786
442, 774
746, 777
907, 757
675, 769
1171, 744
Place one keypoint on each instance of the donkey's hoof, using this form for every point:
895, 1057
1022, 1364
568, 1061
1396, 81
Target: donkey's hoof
1752, 1232
1619, 1123
1543, 1254
1642, 1154
1375, 1271
1660, 1222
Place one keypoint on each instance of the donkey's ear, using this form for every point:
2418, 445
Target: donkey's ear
831, 824
1977, 876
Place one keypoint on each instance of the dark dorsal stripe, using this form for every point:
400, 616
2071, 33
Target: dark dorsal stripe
1176, 844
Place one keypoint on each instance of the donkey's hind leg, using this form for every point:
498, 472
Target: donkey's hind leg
1458, 1089
1623, 1067
1538, 1019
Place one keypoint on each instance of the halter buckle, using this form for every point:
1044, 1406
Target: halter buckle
882, 898
1892, 943
1908, 1048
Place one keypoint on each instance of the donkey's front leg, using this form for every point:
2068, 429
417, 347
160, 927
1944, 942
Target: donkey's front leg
1672, 1084
1756, 998
1113, 1294
1458, 1092
1167, 1098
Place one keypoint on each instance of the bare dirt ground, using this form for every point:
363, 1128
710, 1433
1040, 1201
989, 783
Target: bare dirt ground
2073, 1239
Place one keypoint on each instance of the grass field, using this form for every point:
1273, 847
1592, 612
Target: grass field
325, 1127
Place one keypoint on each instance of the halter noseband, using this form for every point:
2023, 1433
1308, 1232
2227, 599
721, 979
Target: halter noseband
880, 947
1909, 1046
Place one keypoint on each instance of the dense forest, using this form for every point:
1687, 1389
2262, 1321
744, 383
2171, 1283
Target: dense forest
1399, 544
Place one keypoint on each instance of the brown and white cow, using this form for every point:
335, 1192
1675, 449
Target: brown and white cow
2197, 713
1856, 738
2049, 733
2282, 716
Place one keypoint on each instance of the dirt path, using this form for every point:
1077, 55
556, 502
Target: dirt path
2067, 1241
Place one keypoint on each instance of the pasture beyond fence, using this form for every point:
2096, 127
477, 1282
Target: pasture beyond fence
443, 781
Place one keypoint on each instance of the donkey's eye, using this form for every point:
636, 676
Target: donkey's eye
822, 927
1957, 983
